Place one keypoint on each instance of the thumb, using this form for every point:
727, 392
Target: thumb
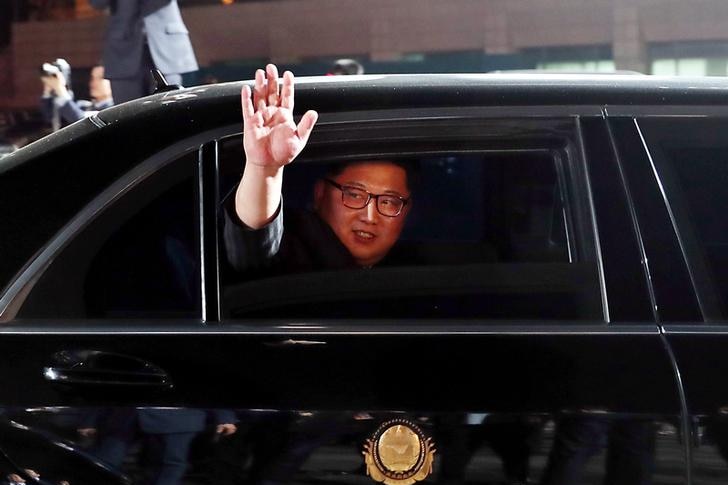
305, 126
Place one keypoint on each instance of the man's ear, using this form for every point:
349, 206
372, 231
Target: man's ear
318, 194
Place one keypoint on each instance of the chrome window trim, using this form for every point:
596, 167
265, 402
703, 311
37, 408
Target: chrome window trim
595, 227
635, 223
333, 328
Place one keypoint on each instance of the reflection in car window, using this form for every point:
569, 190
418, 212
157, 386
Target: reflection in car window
694, 172
488, 235
138, 259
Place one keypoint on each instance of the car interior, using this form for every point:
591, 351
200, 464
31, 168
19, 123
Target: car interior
489, 234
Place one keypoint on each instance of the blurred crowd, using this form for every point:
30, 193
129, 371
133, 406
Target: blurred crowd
59, 106
137, 41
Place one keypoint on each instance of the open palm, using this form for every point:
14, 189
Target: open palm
271, 138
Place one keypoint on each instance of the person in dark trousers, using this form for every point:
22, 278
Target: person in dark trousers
167, 435
142, 35
630, 445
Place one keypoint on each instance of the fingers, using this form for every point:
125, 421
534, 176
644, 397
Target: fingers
251, 117
272, 72
246, 102
306, 125
287, 91
259, 92
260, 105
266, 90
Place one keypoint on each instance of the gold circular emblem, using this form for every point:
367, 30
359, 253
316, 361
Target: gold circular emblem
398, 453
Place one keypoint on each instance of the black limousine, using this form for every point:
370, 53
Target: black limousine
554, 311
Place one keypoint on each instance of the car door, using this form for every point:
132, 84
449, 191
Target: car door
119, 272
531, 362
688, 218
513, 339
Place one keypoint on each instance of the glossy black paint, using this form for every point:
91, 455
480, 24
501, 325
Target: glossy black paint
546, 371
619, 369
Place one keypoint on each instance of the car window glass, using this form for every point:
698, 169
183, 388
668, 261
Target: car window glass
138, 259
694, 171
491, 233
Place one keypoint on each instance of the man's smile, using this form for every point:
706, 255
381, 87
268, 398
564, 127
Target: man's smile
364, 234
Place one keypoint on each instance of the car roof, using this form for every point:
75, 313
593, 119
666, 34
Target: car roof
371, 91
180, 113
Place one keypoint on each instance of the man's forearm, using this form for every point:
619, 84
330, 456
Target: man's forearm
258, 195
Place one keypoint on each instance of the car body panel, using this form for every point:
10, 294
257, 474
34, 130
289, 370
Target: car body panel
308, 392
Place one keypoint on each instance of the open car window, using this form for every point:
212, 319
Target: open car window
496, 230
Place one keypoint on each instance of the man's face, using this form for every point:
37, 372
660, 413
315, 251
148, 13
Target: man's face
367, 234
99, 87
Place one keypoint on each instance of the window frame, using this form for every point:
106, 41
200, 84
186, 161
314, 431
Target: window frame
571, 167
14, 297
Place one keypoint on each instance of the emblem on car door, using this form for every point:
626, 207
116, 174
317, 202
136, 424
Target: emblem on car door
398, 453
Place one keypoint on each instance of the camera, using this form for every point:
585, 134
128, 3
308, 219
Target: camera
48, 69
54, 68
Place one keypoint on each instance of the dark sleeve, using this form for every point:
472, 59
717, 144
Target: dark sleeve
222, 416
248, 248
100, 4
46, 109
70, 111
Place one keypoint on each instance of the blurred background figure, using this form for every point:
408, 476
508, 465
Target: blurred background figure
343, 67
58, 105
142, 35
56, 79
166, 435
21, 134
7, 146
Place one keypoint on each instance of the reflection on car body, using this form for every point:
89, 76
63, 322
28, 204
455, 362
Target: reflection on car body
552, 312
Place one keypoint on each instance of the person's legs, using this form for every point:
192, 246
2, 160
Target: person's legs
457, 442
117, 431
170, 452
631, 453
128, 88
112, 449
514, 440
136, 86
577, 439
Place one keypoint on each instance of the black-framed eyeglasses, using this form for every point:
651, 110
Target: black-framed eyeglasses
356, 198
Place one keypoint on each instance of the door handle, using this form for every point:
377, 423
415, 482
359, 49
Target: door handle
294, 343
93, 367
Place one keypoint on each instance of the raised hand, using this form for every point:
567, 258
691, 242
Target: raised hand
55, 85
271, 138
271, 141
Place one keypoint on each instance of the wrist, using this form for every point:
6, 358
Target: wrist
262, 171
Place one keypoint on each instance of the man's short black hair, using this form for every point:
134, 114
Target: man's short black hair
408, 166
